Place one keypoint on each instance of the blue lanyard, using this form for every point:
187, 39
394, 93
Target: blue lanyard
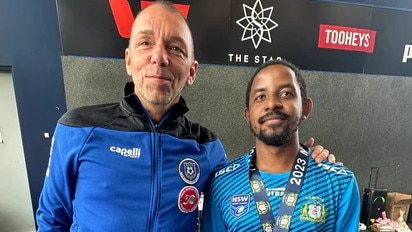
289, 199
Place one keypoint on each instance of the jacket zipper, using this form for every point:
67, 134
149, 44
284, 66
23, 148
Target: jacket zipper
156, 173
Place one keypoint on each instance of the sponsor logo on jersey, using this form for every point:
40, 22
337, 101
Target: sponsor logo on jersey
188, 199
230, 168
239, 205
346, 38
277, 192
126, 152
189, 171
338, 170
314, 210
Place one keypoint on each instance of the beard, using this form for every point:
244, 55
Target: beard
273, 138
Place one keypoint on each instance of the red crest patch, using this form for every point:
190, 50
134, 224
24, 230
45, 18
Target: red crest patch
188, 199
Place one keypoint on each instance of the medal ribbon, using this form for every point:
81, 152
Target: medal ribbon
290, 196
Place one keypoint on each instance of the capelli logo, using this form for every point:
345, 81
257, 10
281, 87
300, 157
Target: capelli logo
131, 152
124, 17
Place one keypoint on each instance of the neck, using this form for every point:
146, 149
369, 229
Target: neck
156, 113
276, 159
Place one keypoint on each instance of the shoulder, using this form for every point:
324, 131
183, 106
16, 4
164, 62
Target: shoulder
335, 169
193, 130
332, 171
234, 167
229, 179
94, 115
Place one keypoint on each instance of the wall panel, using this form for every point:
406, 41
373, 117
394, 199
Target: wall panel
363, 119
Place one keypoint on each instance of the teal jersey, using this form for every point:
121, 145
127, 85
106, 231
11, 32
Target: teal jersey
328, 201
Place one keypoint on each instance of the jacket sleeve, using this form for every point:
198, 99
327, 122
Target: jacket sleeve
218, 156
55, 210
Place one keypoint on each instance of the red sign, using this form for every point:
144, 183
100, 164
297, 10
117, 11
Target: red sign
346, 38
123, 15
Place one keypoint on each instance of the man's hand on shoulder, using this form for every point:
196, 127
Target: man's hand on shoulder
319, 152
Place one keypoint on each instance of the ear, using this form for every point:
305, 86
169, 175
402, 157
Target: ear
192, 73
307, 106
246, 115
128, 61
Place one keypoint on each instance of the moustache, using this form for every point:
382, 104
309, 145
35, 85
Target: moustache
275, 113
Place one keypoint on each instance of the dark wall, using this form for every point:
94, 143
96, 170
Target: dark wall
30, 44
6, 44
363, 119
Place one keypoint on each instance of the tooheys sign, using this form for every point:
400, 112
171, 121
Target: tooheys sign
315, 35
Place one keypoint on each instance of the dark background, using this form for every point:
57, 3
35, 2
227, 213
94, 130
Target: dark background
88, 29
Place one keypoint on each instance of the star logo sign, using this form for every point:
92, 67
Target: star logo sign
257, 23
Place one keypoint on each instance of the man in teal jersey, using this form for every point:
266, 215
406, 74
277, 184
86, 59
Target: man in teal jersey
277, 186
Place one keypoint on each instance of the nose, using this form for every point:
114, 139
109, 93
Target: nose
273, 102
160, 55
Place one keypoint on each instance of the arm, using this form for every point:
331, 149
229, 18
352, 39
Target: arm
55, 205
349, 208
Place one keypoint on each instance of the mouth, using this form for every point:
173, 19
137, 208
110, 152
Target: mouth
159, 77
274, 117
273, 121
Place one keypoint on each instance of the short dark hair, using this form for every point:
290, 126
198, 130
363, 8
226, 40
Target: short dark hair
295, 69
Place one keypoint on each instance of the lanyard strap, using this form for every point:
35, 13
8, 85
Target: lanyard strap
290, 196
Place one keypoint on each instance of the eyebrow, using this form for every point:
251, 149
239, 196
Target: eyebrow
259, 90
287, 85
150, 32
171, 39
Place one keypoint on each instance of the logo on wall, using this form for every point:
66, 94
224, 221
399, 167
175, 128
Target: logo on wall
407, 54
123, 15
346, 38
251, 32
257, 23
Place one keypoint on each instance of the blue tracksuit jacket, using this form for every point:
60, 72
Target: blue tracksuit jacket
112, 169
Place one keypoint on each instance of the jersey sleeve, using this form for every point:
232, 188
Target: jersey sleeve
349, 208
55, 210
212, 220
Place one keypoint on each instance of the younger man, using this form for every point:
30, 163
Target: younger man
278, 186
